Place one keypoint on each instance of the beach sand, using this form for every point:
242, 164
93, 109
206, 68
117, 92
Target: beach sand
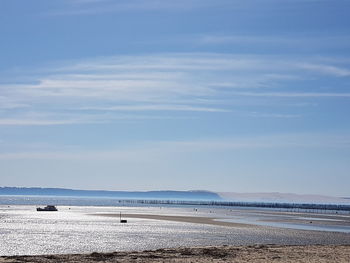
237, 254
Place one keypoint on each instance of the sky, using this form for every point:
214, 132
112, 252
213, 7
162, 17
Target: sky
221, 95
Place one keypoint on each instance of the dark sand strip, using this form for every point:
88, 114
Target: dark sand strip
242, 254
185, 219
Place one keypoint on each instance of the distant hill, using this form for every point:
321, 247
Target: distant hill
164, 195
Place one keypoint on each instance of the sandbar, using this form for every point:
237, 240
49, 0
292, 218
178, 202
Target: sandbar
185, 219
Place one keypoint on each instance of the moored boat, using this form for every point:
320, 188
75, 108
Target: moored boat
47, 208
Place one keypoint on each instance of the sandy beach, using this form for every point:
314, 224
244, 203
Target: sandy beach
237, 254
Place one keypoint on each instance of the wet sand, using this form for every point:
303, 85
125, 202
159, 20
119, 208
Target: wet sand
273, 217
185, 219
237, 254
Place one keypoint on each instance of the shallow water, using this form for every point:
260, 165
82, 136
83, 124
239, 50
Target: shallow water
299, 221
80, 229
288, 225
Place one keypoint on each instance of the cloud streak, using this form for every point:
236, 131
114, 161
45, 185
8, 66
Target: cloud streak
171, 83
92, 7
157, 149
280, 41
295, 94
156, 108
327, 69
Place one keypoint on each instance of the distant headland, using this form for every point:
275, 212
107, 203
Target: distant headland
177, 195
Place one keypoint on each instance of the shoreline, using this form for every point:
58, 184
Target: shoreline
238, 254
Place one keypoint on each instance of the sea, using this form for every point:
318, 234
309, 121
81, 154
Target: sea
80, 227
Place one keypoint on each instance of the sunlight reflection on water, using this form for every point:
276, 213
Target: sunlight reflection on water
24, 231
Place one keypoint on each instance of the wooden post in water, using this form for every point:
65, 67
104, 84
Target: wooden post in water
122, 220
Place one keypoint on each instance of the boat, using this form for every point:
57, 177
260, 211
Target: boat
47, 208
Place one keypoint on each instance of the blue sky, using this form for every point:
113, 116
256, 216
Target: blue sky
223, 95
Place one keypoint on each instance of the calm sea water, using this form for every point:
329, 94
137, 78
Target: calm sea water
78, 227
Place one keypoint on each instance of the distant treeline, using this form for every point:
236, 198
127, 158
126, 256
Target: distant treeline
291, 206
181, 195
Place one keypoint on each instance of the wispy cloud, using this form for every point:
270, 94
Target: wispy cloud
245, 39
33, 122
273, 115
156, 108
327, 69
92, 7
282, 41
81, 118
295, 94
151, 151
172, 83
7, 103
